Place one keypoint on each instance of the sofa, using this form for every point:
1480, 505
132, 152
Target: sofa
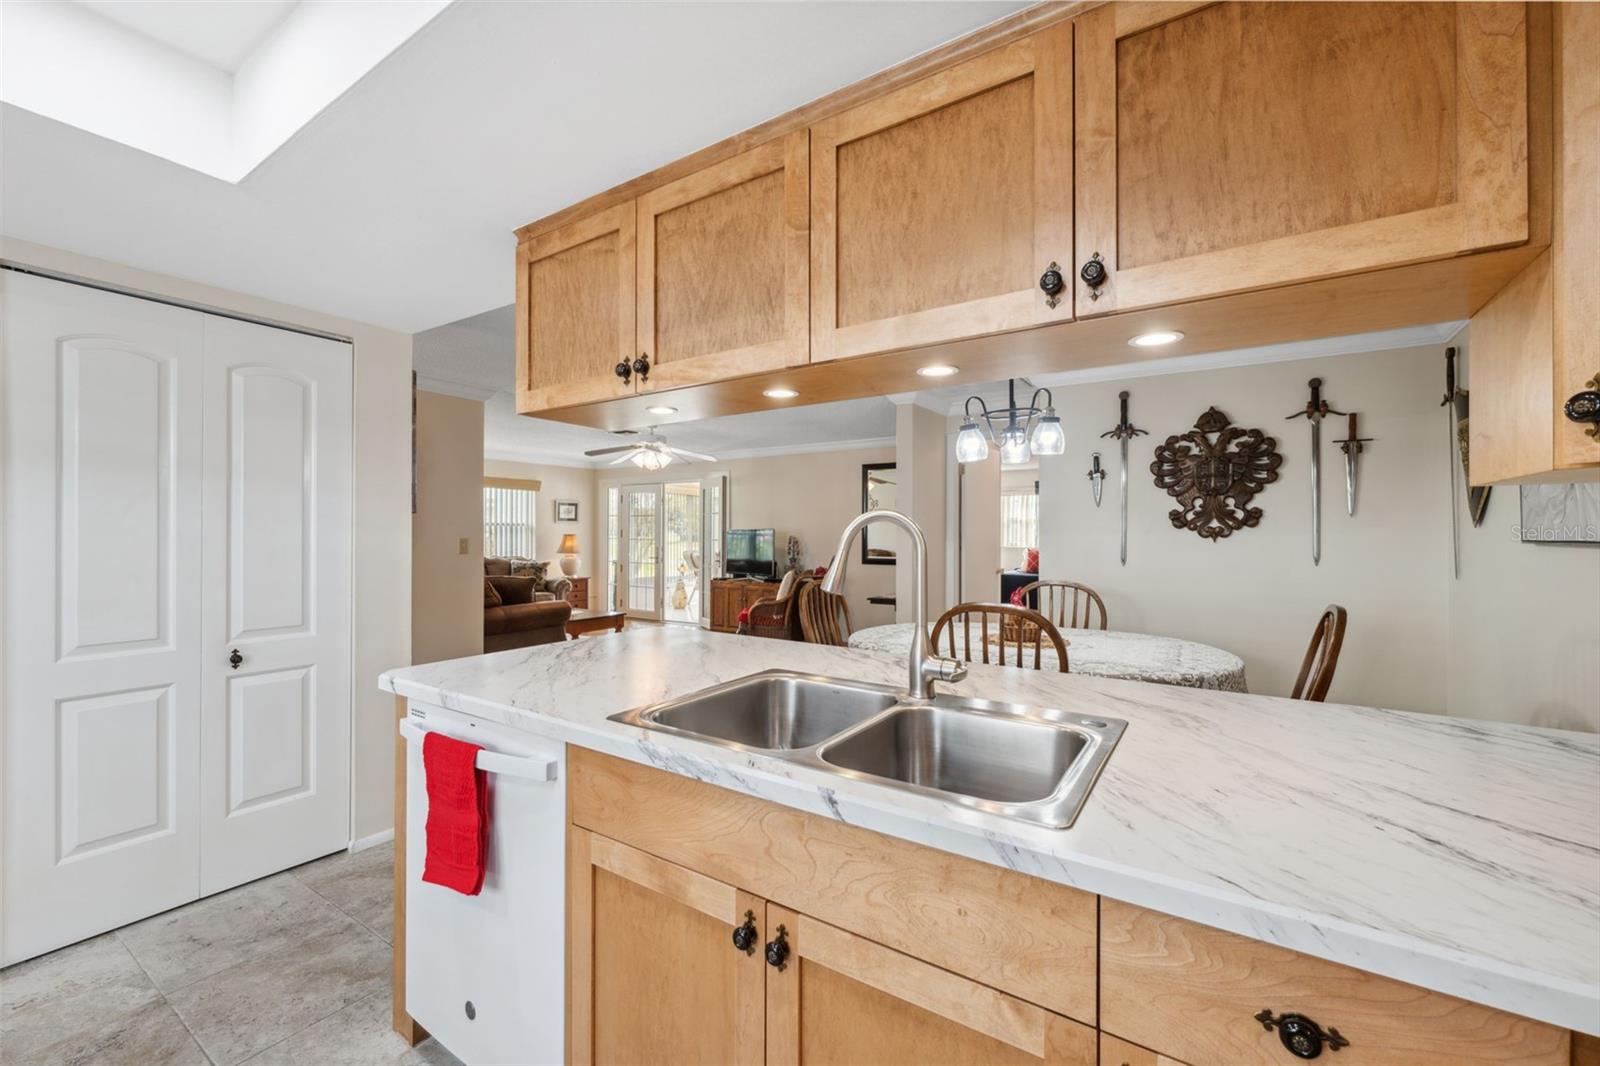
512, 618
545, 587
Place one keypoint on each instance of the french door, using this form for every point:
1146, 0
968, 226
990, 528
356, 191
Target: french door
664, 545
177, 487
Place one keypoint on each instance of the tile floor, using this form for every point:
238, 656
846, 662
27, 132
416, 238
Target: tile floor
291, 970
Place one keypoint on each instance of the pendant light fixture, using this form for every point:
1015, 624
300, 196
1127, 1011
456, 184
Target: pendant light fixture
1022, 432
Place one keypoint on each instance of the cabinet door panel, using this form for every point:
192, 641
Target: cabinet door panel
724, 270
1241, 145
841, 998
654, 975
575, 311
935, 208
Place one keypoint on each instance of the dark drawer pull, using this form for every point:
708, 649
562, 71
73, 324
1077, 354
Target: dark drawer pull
744, 937
1303, 1037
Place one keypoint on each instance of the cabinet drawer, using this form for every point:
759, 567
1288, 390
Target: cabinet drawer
1030, 938
1193, 992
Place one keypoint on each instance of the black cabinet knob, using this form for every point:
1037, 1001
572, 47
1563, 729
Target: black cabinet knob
641, 366
1303, 1037
1051, 283
235, 659
623, 370
744, 937
1584, 407
778, 949
1093, 272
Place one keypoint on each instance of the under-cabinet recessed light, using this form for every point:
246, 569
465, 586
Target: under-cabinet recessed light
662, 409
1155, 338
937, 370
780, 394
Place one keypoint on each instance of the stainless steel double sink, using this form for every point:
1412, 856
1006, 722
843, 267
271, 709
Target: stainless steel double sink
1031, 764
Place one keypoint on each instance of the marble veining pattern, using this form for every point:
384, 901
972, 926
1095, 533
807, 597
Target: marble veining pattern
1459, 855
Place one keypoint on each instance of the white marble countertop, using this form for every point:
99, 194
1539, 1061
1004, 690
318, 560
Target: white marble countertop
1458, 855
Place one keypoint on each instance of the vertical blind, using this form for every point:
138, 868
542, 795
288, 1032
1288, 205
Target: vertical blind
508, 521
1019, 520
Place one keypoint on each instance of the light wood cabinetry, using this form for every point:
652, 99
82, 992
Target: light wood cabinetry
1193, 992
1115, 1052
575, 311
724, 268
1535, 344
936, 208
1232, 146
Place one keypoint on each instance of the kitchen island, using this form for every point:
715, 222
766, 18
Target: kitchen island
1461, 857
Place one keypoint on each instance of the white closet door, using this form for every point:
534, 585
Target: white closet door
275, 732
102, 610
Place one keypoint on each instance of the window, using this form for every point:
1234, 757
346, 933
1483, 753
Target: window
1019, 520
508, 515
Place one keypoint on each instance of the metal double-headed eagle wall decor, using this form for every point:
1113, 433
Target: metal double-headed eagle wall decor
1214, 471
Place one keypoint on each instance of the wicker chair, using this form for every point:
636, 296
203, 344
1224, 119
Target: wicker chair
824, 616
1018, 627
1322, 656
1060, 602
777, 618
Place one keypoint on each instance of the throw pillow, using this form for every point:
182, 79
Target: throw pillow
530, 568
1030, 562
491, 595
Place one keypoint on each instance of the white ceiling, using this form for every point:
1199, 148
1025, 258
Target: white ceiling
220, 35
395, 205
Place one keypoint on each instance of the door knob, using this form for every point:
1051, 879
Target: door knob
235, 659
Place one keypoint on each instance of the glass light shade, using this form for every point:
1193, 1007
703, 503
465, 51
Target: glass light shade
970, 445
1014, 446
650, 459
1048, 437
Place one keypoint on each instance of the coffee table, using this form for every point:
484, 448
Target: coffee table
582, 622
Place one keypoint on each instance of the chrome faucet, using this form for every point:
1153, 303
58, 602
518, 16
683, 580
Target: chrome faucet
925, 667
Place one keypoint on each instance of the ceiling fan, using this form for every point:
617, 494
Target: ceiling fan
651, 453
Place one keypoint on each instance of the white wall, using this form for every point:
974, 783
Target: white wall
447, 582
810, 495
381, 527
562, 483
920, 452
1488, 646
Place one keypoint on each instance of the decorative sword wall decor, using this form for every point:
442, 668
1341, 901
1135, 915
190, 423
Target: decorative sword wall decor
1352, 446
1456, 410
1214, 471
1122, 433
1316, 410
1097, 476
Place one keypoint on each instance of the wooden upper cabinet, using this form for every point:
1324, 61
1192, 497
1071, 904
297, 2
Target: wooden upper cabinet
575, 312
723, 268
843, 998
653, 974
1236, 146
936, 208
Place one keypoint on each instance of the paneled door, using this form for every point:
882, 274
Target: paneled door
839, 997
641, 551
938, 209
655, 943
102, 469
723, 268
575, 312
275, 655
1232, 146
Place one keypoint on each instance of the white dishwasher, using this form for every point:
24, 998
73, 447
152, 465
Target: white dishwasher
484, 973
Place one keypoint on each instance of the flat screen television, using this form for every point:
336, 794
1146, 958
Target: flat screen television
748, 553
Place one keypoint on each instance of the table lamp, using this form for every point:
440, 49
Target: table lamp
569, 553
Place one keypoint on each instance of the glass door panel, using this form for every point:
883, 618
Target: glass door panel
683, 554
613, 546
713, 493
641, 565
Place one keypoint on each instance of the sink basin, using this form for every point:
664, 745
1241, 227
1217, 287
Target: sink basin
990, 757
1030, 764
772, 711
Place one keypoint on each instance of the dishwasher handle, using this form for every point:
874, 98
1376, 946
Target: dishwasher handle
528, 768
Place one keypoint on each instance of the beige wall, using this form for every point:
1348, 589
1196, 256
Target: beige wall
1505, 642
920, 460
810, 495
447, 583
381, 567
562, 483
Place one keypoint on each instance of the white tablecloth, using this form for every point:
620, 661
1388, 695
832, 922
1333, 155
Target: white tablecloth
1099, 653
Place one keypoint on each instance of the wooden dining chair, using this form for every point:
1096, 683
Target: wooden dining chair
1060, 601
1322, 657
824, 616
1018, 627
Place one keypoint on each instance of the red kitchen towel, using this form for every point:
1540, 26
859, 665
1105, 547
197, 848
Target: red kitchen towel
458, 814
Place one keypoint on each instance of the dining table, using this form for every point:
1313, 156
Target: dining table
1096, 653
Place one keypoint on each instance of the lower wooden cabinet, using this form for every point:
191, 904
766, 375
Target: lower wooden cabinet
1115, 1052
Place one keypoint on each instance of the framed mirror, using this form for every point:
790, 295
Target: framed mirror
878, 493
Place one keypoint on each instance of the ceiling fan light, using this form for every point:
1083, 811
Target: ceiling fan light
970, 445
1048, 436
1014, 446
